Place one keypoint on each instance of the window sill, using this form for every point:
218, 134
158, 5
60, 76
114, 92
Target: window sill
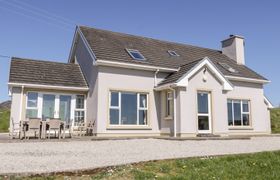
129, 127
241, 128
168, 118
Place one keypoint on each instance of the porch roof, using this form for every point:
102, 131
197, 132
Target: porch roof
46, 73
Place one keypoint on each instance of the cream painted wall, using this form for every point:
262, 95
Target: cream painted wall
15, 106
188, 112
110, 78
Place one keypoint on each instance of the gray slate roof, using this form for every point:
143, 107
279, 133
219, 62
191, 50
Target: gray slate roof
111, 46
46, 73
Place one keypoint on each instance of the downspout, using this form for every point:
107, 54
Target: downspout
174, 112
155, 78
21, 96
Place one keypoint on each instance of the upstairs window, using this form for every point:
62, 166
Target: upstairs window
228, 68
135, 54
172, 53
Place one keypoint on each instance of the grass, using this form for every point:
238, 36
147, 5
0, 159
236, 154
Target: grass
256, 166
275, 120
4, 120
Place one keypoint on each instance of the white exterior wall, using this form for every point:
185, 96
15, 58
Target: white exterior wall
110, 78
188, 107
15, 106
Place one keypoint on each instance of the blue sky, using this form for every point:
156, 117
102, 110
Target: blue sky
44, 29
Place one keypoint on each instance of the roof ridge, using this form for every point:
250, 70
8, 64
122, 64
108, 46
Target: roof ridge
154, 39
13, 58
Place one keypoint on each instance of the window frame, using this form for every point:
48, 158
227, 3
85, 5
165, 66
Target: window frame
242, 112
130, 51
32, 108
79, 109
173, 53
119, 108
169, 99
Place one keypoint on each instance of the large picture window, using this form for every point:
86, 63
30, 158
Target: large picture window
32, 105
238, 112
128, 108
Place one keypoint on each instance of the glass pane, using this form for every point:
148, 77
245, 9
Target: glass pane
203, 123
79, 117
136, 55
32, 99
128, 108
114, 116
143, 117
229, 107
202, 99
80, 101
65, 108
114, 99
237, 113
48, 106
245, 105
246, 121
143, 100
31, 113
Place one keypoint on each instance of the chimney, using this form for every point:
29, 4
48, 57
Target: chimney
233, 47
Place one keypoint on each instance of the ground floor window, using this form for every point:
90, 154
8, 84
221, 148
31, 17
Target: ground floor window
238, 112
128, 108
32, 105
169, 104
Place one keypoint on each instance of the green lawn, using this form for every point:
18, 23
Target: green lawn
4, 120
275, 120
264, 165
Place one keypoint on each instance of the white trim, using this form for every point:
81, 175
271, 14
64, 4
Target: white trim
183, 81
270, 105
21, 101
48, 86
174, 112
243, 79
133, 66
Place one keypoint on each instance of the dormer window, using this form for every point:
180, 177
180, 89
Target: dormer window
172, 53
228, 68
135, 54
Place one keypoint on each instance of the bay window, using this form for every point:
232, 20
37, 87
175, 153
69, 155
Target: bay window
32, 105
128, 108
238, 112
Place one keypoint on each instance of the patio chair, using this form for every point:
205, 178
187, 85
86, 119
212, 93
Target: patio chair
68, 127
86, 128
55, 125
16, 129
33, 127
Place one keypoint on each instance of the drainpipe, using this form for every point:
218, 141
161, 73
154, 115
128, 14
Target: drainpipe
21, 96
174, 112
155, 78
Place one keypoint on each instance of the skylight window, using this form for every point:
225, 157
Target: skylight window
172, 53
228, 67
135, 54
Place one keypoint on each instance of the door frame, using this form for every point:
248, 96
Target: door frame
209, 114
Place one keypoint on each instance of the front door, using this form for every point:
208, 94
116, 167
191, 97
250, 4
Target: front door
204, 112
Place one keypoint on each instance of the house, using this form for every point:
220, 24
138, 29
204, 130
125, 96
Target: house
138, 86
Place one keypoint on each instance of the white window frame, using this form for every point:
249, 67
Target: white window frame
119, 107
79, 109
169, 98
32, 108
173, 53
242, 112
129, 51
209, 115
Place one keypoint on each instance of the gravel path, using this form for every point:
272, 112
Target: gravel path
43, 157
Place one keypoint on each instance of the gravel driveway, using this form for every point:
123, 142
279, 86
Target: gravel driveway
43, 157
